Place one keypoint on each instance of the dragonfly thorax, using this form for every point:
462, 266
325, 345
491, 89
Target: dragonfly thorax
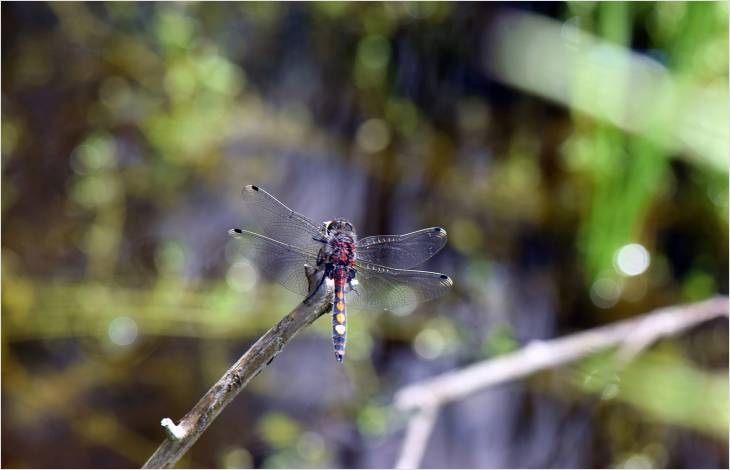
340, 248
340, 251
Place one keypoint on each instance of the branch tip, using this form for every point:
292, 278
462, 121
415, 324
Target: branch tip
174, 431
181, 437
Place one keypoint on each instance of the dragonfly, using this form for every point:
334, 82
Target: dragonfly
372, 273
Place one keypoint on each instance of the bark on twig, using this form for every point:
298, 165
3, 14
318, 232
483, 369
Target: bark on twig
182, 436
632, 336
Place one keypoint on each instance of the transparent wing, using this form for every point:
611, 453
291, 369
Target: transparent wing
380, 287
275, 220
283, 263
401, 251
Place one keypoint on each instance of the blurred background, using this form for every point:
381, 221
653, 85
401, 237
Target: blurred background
575, 152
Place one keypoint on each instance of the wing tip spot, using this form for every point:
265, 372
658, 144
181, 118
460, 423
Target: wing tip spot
440, 230
448, 280
235, 232
249, 188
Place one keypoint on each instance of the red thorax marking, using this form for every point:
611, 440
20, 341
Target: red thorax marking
344, 252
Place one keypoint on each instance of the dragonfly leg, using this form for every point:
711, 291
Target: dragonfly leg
316, 288
351, 281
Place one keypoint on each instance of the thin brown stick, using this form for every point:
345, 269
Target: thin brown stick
630, 335
182, 436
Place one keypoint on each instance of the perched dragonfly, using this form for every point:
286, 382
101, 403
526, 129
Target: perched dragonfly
370, 273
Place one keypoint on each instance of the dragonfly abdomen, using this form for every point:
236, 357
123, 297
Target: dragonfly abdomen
339, 314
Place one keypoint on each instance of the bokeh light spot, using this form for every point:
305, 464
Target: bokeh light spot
97, 152
237, 457
279, 430
373, 420
122, 331
95, 191
180, 81
632, 259
115, 93
374, 51
605, 292
638, 461
311, 446
465, 235
171, 256
403, 115
404, 311
11, 132
429, 344
242, 276
175, 29
373, 135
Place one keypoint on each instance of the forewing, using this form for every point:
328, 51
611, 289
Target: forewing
380, 287
281, 262
275, 220
401, 251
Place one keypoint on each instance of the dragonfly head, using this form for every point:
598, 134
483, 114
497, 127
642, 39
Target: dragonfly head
338, 225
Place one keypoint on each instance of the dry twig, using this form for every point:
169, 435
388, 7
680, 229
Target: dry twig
632, 336
183, 435
414, 444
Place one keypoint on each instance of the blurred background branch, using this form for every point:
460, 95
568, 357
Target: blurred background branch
418, 431
425, 398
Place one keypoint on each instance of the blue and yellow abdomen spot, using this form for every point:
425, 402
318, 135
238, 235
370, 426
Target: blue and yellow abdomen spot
339, 317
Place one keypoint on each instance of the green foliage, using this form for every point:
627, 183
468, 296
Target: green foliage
663, 386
